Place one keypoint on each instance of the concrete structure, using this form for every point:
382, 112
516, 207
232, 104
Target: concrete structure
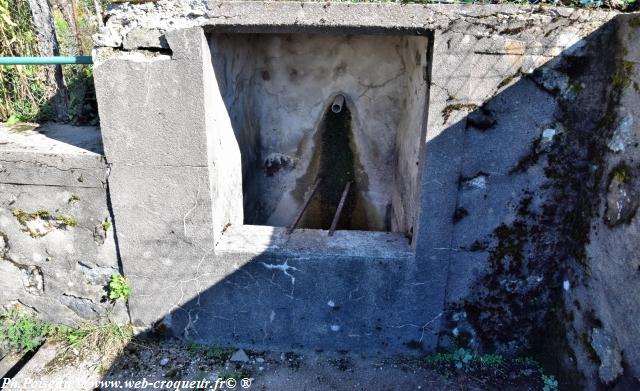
194, 115
481, 142
57, 256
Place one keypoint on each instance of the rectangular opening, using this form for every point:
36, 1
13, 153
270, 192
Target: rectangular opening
331, 109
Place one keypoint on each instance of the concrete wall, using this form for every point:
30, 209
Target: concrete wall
56, 258
465, 165
526, 214
277, 88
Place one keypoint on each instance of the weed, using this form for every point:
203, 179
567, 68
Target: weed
244, 373
23, 91
107, 339
106, 224
550, 383
491, 360
21, 332
216, 354
462, 357
119, 288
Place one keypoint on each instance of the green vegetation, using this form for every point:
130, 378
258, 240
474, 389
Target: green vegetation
24, 332
462, 358
23, 217
244, 373
21, 332
67, 221
79, 343
621, 79
216, 354
74, 38
92, 336
492, 370
23, 90
25, 94
621, 174
119, 288
62, 221
550, 383
106, 225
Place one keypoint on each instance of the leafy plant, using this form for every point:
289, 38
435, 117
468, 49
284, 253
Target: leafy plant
119, 288
462, 357
106, 224
21, 332
550, 383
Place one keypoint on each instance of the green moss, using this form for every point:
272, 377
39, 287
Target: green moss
447, 111
67, 221
621, 79
635, 22
23, 217
509, 79
575, 88
73, 199
621, 174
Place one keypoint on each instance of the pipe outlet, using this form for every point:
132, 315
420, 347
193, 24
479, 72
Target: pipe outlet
337, 104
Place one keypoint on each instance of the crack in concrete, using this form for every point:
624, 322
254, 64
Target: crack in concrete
284, 268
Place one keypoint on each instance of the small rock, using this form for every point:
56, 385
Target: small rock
259, 359
107, 40
566, 285
477, 182
551, 80
481, 118
610, 357
548, 135
146, 355
239, 356
623, 135
623, 196
164, 362
145, 38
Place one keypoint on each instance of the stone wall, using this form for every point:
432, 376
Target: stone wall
56, 254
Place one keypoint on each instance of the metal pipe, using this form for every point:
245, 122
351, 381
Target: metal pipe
304, 206
45, 60
336, 217
337, 104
